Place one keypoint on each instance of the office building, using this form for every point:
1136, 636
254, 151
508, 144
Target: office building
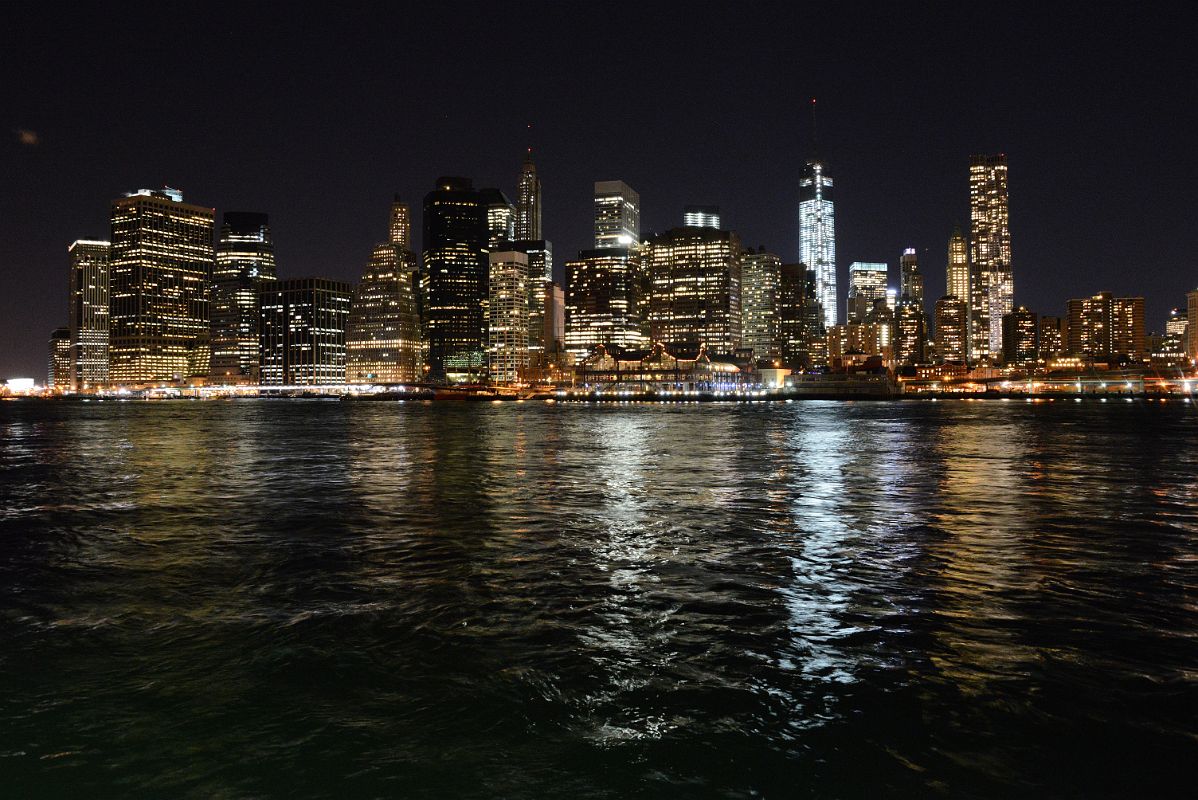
817, 235
800, 317
910, 333
382, 333
540, 275
455, 268
617, 215
1192, 330
245, 263
867, 284
952, 329
528, 202
88, 314
701, 217
992, 287
507, 311
58, 362
160, 269
957, 273
695, 280
603, 301
1020, 338
910, 279
761, 273
303, 332
500, 217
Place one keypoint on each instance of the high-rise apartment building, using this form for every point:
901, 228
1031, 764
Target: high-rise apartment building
455, 268
1054, 337
701, 217
160, 271
302, 335
617, 215
382, 333
603, 301
88, 314
867, 284
957, 273
761, 273
528, 202
910, 333
507, 311
1020, 337
817, 235
245, 262
58, 361
992, 286
1106, 327
695, 294
952, 329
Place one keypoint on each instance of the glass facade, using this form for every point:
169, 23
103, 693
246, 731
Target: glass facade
603, 300
817, 235
867, 285
528, 203
617, 215
382, 334
245, 262
695, 289
992, 288
761, 273
303, 332
701, 217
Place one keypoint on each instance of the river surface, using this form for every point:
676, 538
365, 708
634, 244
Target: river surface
826, 600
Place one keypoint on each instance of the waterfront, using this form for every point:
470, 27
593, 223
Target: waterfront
313, 598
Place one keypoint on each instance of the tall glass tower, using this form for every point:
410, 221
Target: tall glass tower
817, 235
617, 215
990, 245
528, 202
245, 263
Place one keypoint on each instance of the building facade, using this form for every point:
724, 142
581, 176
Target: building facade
245, 263
617, 215
867, 285
992, 287
160, 270
701, 217
817, 235
58, 360
952, 329
1020, 338
302, 335
695, 294
603, 300
761, 274
528, 202
910, 333
507, 311
1105, 327
88, 314
382, 334
800, 318
455, 268
1192, 328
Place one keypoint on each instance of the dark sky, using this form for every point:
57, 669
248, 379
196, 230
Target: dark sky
318, 118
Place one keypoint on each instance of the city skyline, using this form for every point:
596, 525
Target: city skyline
897, 185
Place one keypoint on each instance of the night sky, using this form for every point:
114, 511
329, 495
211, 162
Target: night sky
318, 119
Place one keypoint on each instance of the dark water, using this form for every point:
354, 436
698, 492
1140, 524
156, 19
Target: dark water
312, 599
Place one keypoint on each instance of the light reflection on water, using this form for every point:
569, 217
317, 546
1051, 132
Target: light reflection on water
823, 599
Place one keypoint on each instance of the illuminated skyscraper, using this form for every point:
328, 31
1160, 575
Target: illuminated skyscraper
245, 262
1054, 335
617, 215
455, 266
817, 235
88, 322
1105, 327
867, 284
694, 300
761, 272
701, 217
992, 288
1192, 327
401, 225
910, 333
1020, 337
952, 329
910, 280
528, 202
507, 311
160, 271
303, 332
500, 217
540, 275
382, 334
58, 364
800, 317
957, 273
603, 300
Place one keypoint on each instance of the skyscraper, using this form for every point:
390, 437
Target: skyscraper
160, 271
957, 274
528, 202
1104, 327
910, 333
303, 332
507, 311
382, 333
867, 285
1192, 328
88, 315
1020, 337
800, 317
540, 275
952, 329
58, 363
602, 300
701, 217
992, 288
617, 215
761, 273
817, 235
696, 284
400, 229
455, 266
245, 262
910, 280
